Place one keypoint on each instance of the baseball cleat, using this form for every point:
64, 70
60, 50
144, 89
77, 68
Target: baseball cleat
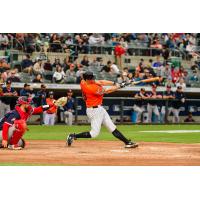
23, 143
14, 147
131, 145
70, 138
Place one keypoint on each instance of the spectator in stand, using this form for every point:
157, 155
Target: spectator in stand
152, 106
8, 92
166, 71
30, 43
12, 77
181, 72
50, 114
114, 69
119, 52
69, 40
106, 68
96, 39
55, 43
26, 91
71, 74
157, 63
4, 42
169, 82
195, 76
180, 97
165, 53
123, 78
94, 63
48, 66
27, 64
57, 62
123, 43
38, 79
174, 74
189, 118
68, 108
168, 94
85, 61
4, 65
170, 43
139, 105
181, 83
59, 75
79, 73
37, 68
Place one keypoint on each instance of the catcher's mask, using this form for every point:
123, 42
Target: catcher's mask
88, 76
23, 100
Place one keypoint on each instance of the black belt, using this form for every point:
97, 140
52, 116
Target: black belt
94, 106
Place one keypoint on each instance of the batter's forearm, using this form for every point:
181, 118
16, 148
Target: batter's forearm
111, 89
105, 82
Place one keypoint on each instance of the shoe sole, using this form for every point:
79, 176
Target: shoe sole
18, 148
69, 143
132, 146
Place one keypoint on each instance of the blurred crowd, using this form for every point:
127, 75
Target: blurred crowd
89, 42
70, 72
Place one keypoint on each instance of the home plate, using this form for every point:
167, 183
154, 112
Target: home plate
120, 150
172, 131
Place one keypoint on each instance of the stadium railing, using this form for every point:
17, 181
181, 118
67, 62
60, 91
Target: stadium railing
121, 106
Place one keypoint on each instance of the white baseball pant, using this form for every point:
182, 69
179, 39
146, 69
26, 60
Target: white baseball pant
49, 119
68, 117
139, 111
152, 109
175, 112
163, 111
4, 108
10, 133
97, 117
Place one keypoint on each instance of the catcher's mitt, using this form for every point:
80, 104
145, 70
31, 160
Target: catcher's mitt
61, 101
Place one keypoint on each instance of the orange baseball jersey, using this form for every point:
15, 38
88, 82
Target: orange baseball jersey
92, 93
53, 108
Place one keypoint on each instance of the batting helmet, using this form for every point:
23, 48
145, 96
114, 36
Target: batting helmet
88, 76
23, 100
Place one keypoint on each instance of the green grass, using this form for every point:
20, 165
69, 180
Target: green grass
59, 132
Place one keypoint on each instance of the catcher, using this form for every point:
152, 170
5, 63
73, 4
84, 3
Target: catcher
13, 124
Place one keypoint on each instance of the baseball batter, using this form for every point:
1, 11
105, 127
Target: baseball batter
93, 93
13, 124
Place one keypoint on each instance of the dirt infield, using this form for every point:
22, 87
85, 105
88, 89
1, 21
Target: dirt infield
103, 153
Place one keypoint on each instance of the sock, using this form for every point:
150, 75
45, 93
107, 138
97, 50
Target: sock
83, 135
120, 136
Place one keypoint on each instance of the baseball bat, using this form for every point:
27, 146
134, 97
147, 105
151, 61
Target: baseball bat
149, 80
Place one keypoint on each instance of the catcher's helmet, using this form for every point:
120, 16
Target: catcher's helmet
88, 76
23, 100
